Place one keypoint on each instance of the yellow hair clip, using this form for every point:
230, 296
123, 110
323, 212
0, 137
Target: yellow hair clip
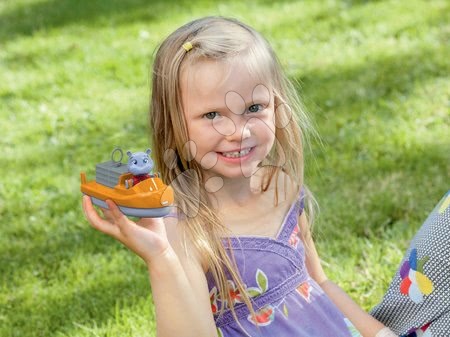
187, 46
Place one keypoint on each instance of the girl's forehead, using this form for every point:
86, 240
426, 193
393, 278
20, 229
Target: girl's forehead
208, 81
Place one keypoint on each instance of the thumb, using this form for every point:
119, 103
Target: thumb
119, 218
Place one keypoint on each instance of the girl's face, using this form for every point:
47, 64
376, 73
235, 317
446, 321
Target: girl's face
229, 116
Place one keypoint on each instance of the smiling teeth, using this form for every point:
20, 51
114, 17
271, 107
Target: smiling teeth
236, 154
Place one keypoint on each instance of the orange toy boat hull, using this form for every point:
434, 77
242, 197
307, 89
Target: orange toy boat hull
149, 198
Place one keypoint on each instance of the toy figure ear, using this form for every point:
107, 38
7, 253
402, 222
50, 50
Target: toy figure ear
129, 154
148, 151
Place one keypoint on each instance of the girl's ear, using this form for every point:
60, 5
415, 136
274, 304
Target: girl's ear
129, 154
148, 151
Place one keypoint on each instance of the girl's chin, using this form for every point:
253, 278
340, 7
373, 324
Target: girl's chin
234, 173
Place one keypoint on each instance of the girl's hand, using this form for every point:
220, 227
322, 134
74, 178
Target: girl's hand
147, 238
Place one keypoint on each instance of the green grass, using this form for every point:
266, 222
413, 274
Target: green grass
74, 84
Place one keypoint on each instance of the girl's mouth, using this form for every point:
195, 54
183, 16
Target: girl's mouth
237, 154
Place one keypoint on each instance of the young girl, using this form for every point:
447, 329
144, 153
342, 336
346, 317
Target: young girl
237, 257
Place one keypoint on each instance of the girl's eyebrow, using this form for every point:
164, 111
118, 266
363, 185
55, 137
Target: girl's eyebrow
212, 108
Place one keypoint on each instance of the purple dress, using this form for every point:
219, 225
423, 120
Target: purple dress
287, 301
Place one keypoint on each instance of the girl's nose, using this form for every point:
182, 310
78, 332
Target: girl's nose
242, 130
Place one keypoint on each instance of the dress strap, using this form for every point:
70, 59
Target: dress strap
291, 220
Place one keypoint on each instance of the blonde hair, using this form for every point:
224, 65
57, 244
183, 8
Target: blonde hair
220, 39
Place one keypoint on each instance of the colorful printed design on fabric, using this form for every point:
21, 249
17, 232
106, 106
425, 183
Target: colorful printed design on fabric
214, 297
414, 283
351, 328
219, 332
421, 332
262, 282
266, 314
294, 238
235, 295
262, 286
213, 300
445, 203
304, 290
263, 317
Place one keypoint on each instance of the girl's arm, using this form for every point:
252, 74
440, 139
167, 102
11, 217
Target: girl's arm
363, 322
181, 296
179, 287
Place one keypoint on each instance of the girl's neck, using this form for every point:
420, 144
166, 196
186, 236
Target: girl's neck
236, 192
248, 211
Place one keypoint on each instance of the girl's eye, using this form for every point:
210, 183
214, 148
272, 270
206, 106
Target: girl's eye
255, 108
211, 115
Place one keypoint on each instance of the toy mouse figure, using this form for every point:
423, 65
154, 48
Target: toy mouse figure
139, 164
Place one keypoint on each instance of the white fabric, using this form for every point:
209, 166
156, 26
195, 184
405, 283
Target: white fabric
386, 332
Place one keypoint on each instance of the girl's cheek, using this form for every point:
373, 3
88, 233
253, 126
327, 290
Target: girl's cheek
190, 150
209, 160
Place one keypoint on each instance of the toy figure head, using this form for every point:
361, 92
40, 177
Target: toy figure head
139, 162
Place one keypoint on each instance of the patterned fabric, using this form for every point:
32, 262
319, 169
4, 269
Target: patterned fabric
418, 299
287, 301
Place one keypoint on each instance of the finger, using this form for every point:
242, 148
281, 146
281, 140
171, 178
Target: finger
118, 217
107, 214
96, 221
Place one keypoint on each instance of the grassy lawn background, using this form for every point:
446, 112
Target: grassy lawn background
74, 84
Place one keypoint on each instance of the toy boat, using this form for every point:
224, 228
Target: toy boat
149, 198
